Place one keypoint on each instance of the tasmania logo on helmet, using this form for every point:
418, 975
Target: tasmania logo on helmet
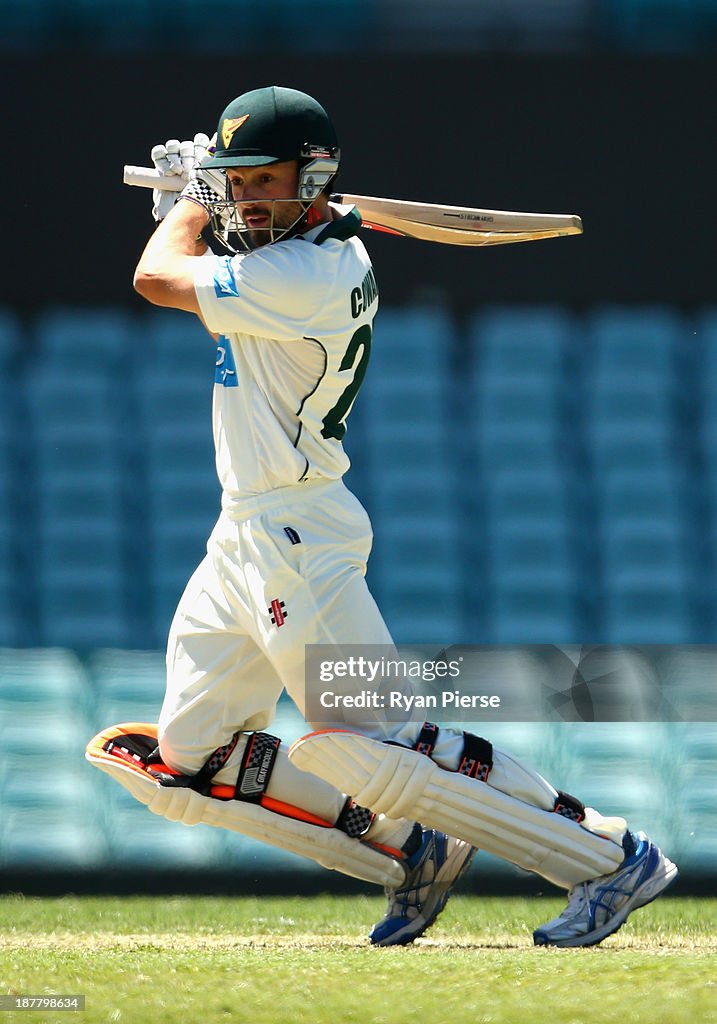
230, 126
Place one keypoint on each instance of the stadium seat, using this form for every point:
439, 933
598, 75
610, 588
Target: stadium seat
49, 840
66, 729
533, 494
533, 609
92, 343
640, 496
613, 446
128, 685
141, 840
12, 598
528, 342
182, 493
646, 608
37, 678
176, 346
10, 336
413, 342
705, 327
633, 344
175, 403
526, 557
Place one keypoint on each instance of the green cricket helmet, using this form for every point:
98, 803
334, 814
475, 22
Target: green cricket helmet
275, 124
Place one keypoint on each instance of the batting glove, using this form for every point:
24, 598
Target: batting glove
205, 148
182, 160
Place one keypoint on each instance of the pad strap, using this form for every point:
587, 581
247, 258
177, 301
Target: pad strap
201, 782
477, 756
477, 759
569, 806
256, 767
427, 739
355, 821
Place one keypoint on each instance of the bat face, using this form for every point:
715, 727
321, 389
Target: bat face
456, 225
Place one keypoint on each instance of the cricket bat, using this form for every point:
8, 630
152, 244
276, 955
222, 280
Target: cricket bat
451, 225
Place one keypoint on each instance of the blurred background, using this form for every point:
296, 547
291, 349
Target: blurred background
536, 440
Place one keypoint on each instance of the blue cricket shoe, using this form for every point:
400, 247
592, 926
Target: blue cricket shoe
599, 907
431, 873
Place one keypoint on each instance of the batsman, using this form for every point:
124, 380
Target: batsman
254, 247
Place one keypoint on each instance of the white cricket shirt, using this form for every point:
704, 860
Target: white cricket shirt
294, 320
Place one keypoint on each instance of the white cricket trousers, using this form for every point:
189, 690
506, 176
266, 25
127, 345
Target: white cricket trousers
282, 570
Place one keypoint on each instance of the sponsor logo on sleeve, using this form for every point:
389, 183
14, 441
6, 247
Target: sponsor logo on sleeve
224, 281
225, 372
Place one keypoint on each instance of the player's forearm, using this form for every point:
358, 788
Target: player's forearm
165, 272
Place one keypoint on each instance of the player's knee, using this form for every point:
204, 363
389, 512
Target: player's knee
178, 748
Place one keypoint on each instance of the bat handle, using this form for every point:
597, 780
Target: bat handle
149, 177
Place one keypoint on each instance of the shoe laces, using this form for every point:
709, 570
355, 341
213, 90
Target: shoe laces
406, 901
577, 899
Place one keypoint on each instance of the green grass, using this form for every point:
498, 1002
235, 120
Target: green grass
306, 960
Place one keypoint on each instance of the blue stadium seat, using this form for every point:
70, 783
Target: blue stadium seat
176, 346
640, 495
69, 490
636, 345
531, 555
631, 403
533, 494
83, 610
172, 408
66, 730
413, 342
391, 399
658, 546
521, 446
49, 840
519, 344
535, 610
646, 608
85, 342
35, 786
128, 685
419, 613
410, 456
10, 340
419, 548
62, 401
182, 491
37, 678
11, 597
402, 503
707, 426
500, 404
176, 552
614, 446
405, 433
693, 816
140, 840
705, 327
